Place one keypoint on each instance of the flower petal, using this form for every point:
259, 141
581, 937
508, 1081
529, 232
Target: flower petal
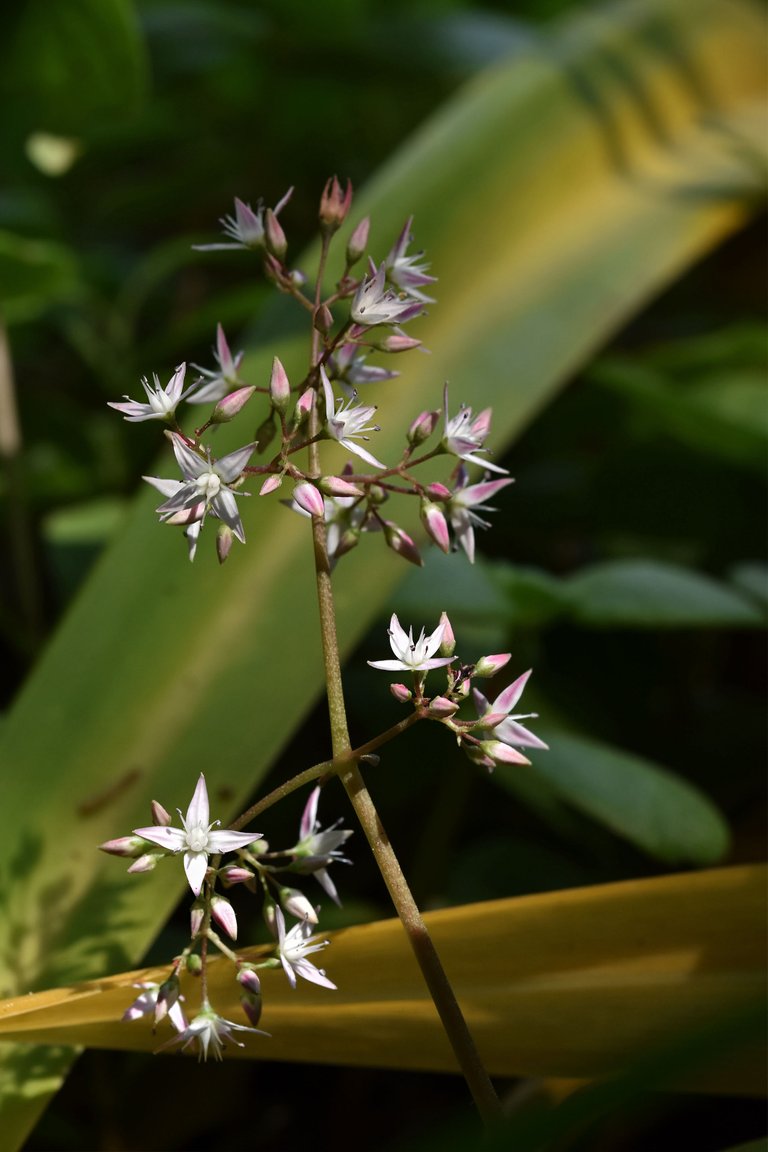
199, 811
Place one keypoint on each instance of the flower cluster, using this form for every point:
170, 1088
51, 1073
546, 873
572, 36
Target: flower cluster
494, 736
202, 843
364, 314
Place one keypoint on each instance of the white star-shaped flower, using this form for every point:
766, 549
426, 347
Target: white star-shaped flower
294, 947
461, 512
413, 655
463, 436
209, 1033
347, 420
161, 402
197, 838
374, 303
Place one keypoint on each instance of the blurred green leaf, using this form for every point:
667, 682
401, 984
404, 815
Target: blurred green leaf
34, 276
659, 812
752, 578
72, 68
649, 594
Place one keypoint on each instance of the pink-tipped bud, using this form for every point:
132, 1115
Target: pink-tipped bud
334, 205
251, 1006
248, 979
160, 816
304, 405
224, 538
490, 665
271, 484
358, 242
348, 540
309, 498
436, 525
448, 642
401, 693
268, 912
296, 903
323, 319
402, 543
396, 342
129, 846
438, 491
229, 407
146, 863
441, 706
265, 433
335, 486
279, 386
422, 428
274, 235
224, 915
196, 916
235, 875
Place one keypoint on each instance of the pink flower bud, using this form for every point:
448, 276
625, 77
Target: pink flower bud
304, 405
224, 915
229, 407
436, 525
268, 912
251, 1006
223, 542
310, 499
401, 693
397, 342
196, 916
167, 996
441, 706
147, 862
235, 875
160, 815
358, 242
271, 484
295, 902
335, 486
438, 491
334, 205
279, 386
130, 846
448, 642
402, 543
422, 428
274, 235
490, 665
248, 978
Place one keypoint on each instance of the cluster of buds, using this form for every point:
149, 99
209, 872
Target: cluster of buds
256, 868
495, 735
363, 314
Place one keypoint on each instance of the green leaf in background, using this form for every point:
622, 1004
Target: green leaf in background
752, 579
34, 276
650, 594
657, 811
72, 68
545, 241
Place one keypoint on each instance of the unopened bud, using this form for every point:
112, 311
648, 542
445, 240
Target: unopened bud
401, 693
397, 342
402, 543
296, 903
422, 428
323, 319
348, 540
196, 915
279, 386
438, 491
448, 642
441, 706
377, 494
265, 433
304, 405
308, 498
235, 875
248, 978
274, 235
268, 912
335, 486
160, 816
490, 665
436, 525
194, 964
146, 863
271, 484
167, 995
224, 915
358, 242
129, 846
229, 407
223, 542
334, 205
